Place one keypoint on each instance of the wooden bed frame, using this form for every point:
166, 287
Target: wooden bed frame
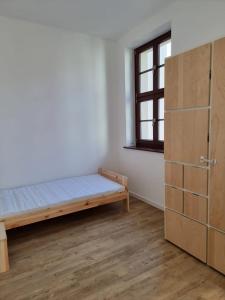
60, 210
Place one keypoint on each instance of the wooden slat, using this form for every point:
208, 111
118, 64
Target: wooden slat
114, 176
187, 234
186, 135
187, 79
2, 231
217, 141
126, 203
195, 207
60, 210
174, 199
216, 250
4, 259
174, 174
196, 180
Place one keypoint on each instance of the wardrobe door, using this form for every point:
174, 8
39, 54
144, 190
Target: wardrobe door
217, 171
186, 135
187, 79
187, 99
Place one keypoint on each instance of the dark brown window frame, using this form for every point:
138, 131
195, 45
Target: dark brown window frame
155, 95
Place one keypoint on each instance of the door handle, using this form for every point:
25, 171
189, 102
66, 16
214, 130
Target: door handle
211, 162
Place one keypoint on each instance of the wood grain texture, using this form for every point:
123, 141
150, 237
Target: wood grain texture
102, 253
217, 173
187, 79
121, 179
186, 135
126, 203
216, 250
60, 210
187, 234
74, 205
4, 259
196, 207
174, 199
196, 180
2, 231
174, 174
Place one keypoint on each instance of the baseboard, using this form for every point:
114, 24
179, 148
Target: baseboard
152, 203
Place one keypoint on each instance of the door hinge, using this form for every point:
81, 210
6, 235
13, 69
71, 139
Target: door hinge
210, 74
208, 138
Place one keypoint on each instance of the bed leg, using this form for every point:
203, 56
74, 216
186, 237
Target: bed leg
126, 203
4, 258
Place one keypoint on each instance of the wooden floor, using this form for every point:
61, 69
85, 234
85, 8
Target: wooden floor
104, 253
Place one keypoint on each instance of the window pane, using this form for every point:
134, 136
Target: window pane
161, 130
161, 78
146, 82
146, 58
161, 108
147, 131
147, 110
164, 51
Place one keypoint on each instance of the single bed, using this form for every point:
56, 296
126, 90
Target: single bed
29, 204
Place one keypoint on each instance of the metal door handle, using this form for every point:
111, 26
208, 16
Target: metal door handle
209, 161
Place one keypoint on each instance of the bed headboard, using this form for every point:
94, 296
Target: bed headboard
114, 176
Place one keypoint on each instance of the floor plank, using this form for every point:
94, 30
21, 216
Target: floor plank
101, 254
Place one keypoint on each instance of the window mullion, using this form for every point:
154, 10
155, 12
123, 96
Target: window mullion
155, 88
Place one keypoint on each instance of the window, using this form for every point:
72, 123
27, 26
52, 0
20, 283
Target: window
149, 91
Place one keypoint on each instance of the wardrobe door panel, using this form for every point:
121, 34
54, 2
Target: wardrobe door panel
173, 136
195, 207
216, 250
186, 135
187, 79
174, 174
174, 199
185, 233
196, 180
217, 140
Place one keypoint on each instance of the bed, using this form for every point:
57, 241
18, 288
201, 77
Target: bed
29, 204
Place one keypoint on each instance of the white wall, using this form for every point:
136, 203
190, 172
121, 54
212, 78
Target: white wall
66, 100
54, 108
193, 23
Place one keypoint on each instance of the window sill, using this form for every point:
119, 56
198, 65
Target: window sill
143, 149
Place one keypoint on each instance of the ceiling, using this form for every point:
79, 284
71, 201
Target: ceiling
105, 18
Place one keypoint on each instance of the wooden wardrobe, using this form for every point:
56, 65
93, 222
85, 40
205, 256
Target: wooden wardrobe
195, 152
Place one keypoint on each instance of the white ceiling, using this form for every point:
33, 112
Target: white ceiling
105, 18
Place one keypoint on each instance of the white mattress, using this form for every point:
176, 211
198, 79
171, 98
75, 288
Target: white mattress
29, 198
